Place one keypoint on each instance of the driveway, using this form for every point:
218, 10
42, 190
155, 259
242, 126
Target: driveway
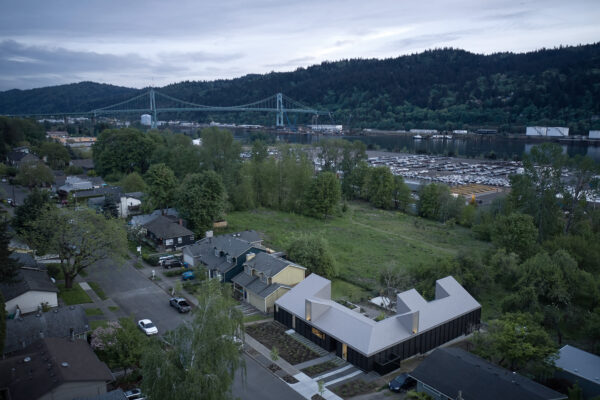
261, 384
135, 294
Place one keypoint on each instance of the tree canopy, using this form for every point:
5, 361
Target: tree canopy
313, 253
201, 199
122, 151
80, 238
197, 360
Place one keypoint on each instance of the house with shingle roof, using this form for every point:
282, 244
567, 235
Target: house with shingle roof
60, 322
265, 278
53, 368
168, 233
446, 372
31, 288
223, 255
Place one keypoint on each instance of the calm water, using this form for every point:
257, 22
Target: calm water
472, 146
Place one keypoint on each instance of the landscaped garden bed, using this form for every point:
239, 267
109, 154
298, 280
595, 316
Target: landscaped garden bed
318, 369
272, 334
290, 379
354, 388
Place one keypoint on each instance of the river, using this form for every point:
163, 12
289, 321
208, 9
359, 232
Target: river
471, 146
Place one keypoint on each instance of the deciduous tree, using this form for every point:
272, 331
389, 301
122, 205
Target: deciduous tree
323, 196
197, 360
201, 199
313, 253
35, 174
80, 238
161, 186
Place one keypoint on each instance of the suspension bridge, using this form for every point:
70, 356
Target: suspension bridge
154, 102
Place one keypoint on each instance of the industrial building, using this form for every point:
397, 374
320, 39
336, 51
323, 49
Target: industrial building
547, 131
417, 327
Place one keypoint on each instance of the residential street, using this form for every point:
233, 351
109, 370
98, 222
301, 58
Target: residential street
135, 294
138, 296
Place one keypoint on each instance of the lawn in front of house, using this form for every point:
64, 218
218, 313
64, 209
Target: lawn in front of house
363, 240
272, 335
75, 295
96, 288
319, 369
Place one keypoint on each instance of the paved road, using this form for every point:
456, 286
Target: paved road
135, 294
19, 193
261, 384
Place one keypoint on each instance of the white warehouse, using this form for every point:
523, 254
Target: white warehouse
551, 131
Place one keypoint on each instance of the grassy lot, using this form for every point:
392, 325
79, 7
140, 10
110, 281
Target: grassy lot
96, 288
255, 317
363, 241
93, 311
75, 295
97, 324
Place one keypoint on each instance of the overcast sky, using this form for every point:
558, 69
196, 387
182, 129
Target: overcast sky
151, 42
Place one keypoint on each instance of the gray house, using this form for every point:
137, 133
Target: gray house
418, 327
60, 322
52, 368
449, 371
167, 233
223, 255
580, 366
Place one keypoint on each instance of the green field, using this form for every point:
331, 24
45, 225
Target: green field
363, 241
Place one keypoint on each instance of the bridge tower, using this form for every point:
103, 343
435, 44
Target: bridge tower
279, 115
153, 109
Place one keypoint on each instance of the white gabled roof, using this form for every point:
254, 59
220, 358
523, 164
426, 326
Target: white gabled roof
366, 335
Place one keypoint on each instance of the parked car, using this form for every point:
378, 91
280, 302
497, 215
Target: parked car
148, 327
172, 263
133, 394
180, 304
188, 275
402, 383
163, 259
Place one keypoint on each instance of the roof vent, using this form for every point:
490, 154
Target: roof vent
64, 364
27, 359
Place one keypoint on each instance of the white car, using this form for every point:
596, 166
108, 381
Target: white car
148, 327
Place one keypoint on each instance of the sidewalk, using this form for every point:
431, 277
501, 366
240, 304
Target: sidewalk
97, 302
306, 386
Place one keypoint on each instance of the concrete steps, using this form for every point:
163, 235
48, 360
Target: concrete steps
319, 350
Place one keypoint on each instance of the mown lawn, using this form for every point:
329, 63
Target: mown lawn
363, 241
75, 295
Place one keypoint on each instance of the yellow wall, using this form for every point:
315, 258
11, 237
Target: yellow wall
290, 276
270, 300
256, 301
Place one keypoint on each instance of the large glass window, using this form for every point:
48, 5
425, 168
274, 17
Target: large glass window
318, 333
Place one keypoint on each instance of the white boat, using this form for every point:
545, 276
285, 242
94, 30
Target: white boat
418, 137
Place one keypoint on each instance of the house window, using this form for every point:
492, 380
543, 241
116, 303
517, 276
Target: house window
179, 240
270, 281
169, 242
229, 259
217, 252
263, 278
318, 333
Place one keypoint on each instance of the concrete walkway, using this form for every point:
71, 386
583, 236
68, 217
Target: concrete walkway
306, 386
103, 305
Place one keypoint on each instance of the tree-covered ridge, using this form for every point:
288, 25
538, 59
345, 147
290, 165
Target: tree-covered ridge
443, 89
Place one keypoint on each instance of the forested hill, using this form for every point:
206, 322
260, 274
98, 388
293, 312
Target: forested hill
445, 88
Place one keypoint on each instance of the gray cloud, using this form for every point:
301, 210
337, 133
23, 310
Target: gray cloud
136, 43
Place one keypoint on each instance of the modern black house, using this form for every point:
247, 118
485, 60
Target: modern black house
418, 326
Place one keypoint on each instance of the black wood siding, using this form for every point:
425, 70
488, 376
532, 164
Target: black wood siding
418, 344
